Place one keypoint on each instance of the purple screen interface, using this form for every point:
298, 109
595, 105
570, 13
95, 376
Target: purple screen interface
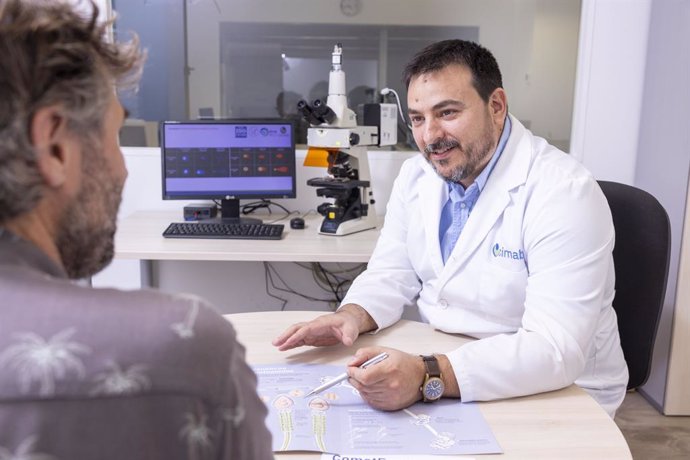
213, 160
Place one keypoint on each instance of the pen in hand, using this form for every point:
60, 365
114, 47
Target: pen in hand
376, 359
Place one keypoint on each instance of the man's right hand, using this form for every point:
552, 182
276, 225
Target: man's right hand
343, 326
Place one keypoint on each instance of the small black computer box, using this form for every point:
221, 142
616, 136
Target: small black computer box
199, 211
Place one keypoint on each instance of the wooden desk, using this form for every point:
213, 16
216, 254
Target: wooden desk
139, 237
564, 424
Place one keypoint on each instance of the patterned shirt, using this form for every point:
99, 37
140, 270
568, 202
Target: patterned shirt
108, 374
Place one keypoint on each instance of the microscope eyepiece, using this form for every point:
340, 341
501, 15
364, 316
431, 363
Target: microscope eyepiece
323, 112
308, 113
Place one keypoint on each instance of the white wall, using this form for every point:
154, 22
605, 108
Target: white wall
548, 86
631, 117
663, 157
608, 87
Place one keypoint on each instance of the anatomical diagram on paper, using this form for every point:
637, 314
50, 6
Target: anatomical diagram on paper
338, 420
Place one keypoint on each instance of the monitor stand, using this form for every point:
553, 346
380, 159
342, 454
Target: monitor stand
230, 213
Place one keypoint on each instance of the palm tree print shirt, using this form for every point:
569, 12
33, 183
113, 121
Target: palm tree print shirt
107, 374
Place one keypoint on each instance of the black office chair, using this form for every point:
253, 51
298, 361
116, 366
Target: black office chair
641, 258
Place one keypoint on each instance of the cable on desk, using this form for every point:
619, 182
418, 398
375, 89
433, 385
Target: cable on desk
267, 276
270, 271
358, 268
311, 211
335, 282
331, 280
328, 280
250, 207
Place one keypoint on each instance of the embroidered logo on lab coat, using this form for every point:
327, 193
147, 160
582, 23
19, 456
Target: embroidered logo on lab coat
499, 251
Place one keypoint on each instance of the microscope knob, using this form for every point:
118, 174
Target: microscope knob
354, 138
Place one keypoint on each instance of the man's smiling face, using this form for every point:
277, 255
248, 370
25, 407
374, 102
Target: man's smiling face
453, 126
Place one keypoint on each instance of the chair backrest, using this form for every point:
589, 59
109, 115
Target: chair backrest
641, 258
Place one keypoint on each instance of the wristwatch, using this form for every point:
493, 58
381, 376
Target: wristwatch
432, 387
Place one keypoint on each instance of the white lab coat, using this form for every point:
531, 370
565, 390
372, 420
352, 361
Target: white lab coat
531, 275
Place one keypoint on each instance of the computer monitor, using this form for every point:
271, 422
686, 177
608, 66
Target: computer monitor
228, 160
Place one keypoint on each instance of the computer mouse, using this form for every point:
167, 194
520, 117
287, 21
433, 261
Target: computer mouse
297, 222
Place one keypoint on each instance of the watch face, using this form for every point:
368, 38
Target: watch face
433, 388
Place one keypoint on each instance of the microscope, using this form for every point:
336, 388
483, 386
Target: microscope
334, 129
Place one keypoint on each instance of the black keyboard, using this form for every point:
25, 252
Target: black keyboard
226, 231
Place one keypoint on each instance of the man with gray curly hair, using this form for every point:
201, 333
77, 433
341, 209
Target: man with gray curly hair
94, 373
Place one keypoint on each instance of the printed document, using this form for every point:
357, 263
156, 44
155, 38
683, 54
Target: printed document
338, 420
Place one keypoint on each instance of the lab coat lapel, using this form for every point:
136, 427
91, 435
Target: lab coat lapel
433, 193
510, 172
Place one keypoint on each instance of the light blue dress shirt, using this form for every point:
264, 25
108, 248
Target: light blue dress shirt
460, 202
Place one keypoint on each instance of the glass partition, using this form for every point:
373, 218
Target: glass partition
257, 58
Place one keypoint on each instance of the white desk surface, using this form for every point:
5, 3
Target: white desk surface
139, 236
564, 424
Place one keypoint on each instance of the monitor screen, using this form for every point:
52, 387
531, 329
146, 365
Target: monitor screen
228, 160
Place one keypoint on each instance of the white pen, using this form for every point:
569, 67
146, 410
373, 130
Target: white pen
376, 359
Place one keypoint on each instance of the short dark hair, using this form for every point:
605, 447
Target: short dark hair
486, 76
52, 54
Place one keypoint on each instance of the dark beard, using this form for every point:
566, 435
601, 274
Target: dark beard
86, 232
475, 155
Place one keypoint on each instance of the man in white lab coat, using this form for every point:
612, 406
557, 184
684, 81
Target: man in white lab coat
493, 233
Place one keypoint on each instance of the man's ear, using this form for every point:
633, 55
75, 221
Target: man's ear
498, 104
50, 139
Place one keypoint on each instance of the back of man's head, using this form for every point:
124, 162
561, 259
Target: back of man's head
486, 75
51, 54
